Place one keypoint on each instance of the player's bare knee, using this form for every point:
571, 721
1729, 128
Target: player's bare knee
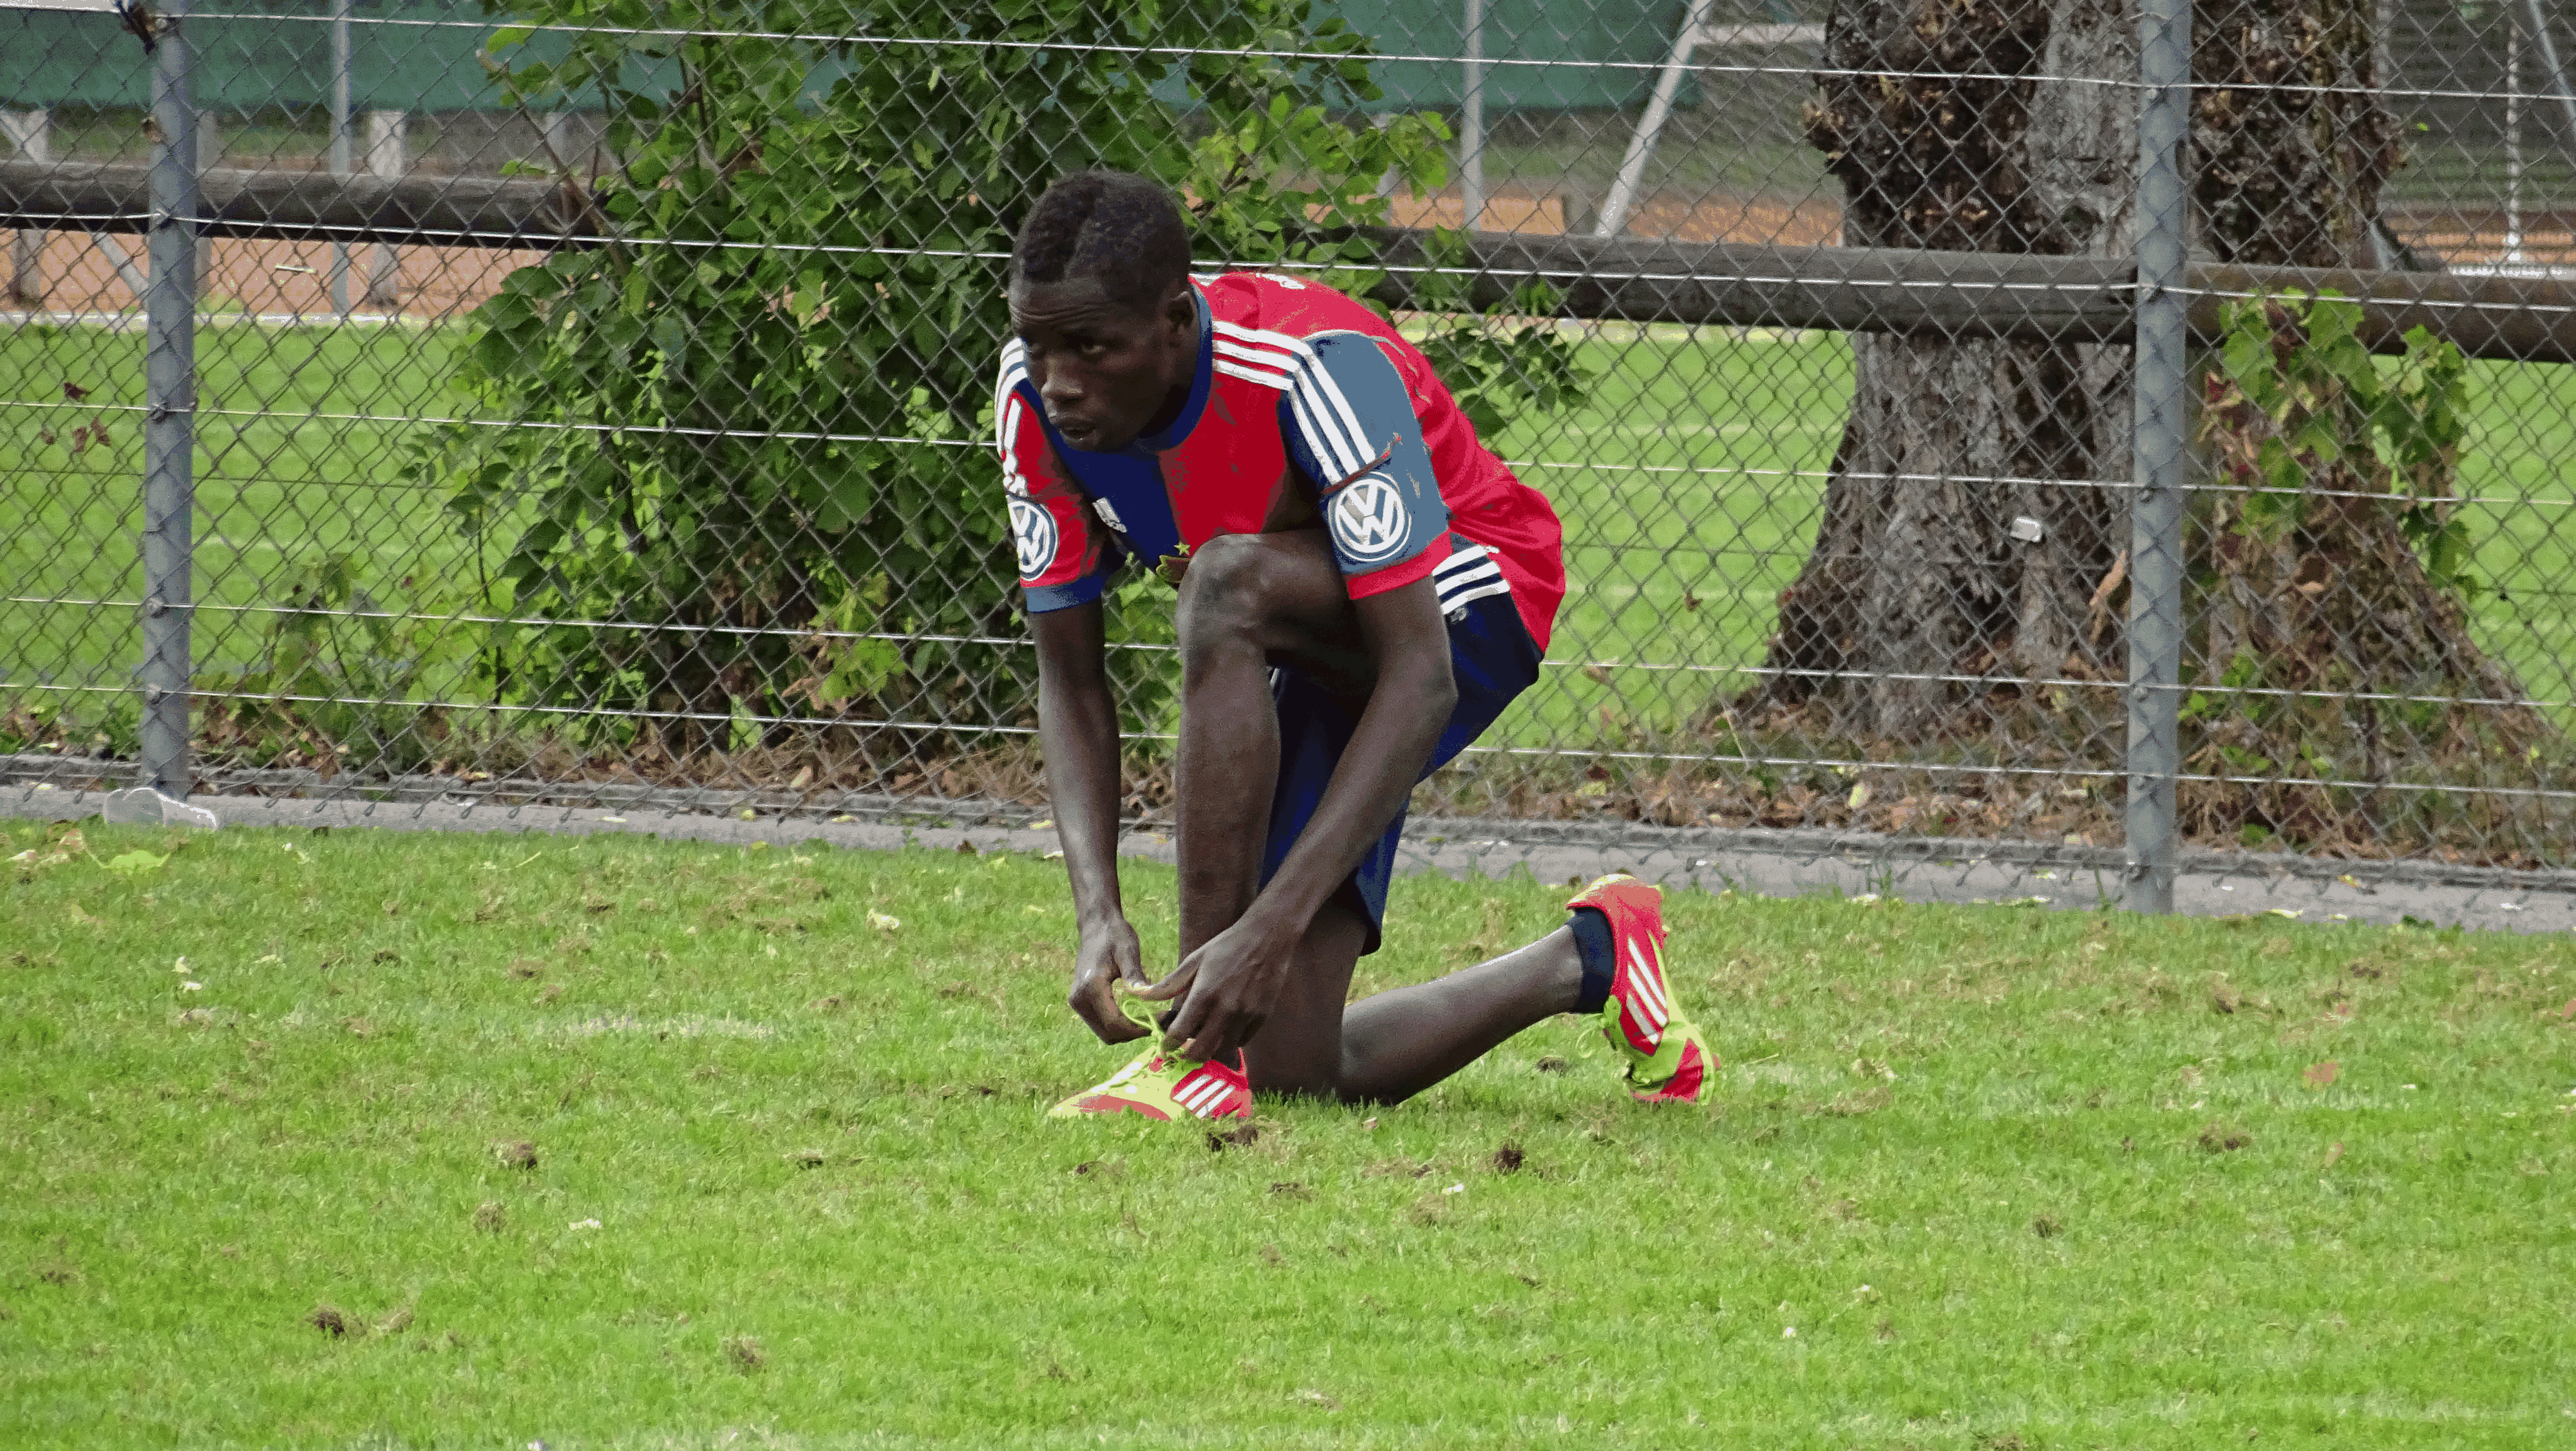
1230, 570
1223, 594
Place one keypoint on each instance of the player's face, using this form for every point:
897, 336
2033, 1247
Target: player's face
1106, 373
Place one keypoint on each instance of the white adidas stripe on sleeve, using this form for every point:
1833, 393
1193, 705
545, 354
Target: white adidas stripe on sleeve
1334, 447
1015, 357
1279, 359
1341, 405
1013, 481
1452, 583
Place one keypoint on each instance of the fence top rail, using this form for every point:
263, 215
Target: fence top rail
2486, 314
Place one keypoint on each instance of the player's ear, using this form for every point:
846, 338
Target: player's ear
1180, 309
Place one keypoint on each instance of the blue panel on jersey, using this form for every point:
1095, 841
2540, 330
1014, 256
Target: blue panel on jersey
1202, 383
1131, 484
1350, 426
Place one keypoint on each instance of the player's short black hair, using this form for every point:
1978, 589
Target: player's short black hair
1114, 226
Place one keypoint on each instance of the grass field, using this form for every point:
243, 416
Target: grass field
612, 1142
1695, 474
299, 433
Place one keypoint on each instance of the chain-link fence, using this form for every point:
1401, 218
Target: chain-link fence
1997, 445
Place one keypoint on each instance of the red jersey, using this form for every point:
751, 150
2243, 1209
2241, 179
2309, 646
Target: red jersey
1297, 386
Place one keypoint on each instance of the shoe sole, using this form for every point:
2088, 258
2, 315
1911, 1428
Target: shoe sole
1688, 1082
1107, 1108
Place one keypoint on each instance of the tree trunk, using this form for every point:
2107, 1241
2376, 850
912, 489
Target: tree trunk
2327, 595
1974, 529
2316, 594
2289, 176
1963, 537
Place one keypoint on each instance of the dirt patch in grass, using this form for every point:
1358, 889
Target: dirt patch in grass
2222, 1139
1859, 1101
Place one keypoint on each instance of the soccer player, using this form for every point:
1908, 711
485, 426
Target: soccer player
1363, 588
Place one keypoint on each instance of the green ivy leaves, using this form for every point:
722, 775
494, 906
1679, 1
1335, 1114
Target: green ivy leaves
2331, 406
759, 415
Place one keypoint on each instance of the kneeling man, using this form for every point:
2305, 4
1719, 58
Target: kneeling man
1363, 588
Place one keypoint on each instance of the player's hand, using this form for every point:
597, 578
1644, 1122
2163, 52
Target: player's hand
1231, 983
1109, 954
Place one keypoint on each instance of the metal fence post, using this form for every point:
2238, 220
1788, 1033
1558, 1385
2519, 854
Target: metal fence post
341, 145
389, 156
32, 133
169, 422
2159, 456
2549, 62
1471, 139
554, 132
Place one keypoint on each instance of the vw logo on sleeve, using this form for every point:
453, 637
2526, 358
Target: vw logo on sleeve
1369, 520
1033, 533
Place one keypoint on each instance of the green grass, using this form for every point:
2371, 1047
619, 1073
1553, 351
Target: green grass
1695, 474
283, 477
828, 1211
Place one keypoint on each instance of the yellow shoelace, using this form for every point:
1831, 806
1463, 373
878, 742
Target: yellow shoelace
1141, 1013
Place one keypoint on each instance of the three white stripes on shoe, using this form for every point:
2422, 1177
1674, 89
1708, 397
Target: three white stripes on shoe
1202, 1096
1646, 984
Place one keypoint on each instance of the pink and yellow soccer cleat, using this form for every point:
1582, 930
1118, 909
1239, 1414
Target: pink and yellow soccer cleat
1668, 1060
1162, 1086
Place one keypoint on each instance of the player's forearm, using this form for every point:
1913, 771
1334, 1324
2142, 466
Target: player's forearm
1078, 732
1080, 737
1389, 747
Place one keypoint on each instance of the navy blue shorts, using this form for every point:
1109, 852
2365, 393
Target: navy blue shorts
1492, 658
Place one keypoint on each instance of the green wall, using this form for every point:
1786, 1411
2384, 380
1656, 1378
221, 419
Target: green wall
52, 58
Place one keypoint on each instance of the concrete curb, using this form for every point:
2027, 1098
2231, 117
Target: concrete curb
1775, 864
